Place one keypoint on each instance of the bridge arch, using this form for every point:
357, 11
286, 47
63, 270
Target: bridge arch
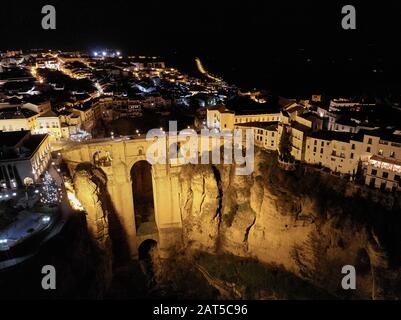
121, 161
143, 197
146, 248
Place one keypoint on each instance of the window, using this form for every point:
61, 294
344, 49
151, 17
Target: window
321, 150
397, 178
368, 149
353, 146
352, 156
314, 149
322, 144
370, 141
373, 172
392, 154
385, 175
315, 142
380, 152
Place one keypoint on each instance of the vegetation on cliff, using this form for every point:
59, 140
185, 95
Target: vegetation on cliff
257, 280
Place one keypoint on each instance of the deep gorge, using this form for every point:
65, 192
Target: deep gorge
293, 231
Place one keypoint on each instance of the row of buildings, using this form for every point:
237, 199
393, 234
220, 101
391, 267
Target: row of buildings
20, 116
309, 136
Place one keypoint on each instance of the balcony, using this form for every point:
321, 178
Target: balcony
388, 164
341, 155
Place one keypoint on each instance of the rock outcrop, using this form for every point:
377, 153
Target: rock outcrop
309, 223
90, 187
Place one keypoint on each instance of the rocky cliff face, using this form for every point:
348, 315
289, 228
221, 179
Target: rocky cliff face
309, 223
90, 187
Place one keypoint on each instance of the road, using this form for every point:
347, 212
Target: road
205, 72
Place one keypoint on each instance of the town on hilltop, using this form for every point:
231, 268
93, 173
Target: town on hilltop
51, 98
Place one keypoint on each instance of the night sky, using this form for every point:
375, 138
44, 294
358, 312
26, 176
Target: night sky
237, 35
156, 25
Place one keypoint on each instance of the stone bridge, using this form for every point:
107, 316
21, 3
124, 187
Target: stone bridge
145, 197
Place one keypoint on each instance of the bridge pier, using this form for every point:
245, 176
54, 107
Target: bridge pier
122, 156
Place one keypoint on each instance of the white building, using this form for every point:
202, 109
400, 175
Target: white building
383, 169
49, 123
221, 118
23, 158
265, 133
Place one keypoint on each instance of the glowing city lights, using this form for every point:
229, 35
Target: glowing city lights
50, 193
74, 202
46, 219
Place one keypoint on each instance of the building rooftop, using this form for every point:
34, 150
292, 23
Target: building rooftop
346, 121
300, 127
385, 135
16, 113
19, 145
49, 113
84, 106
335, 135
11, 139
270, 126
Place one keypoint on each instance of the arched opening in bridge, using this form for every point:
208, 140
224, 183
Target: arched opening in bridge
148, 260
147, 249
142, 192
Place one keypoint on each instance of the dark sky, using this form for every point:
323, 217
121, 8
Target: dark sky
196, 25
256, 42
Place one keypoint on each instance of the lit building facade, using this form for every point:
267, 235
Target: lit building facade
383, 169
23, 158
49, 123
222, 118
265, 134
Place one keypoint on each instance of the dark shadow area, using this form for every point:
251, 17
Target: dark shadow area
142, 190
118, 236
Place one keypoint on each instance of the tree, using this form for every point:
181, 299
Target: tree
49, 193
